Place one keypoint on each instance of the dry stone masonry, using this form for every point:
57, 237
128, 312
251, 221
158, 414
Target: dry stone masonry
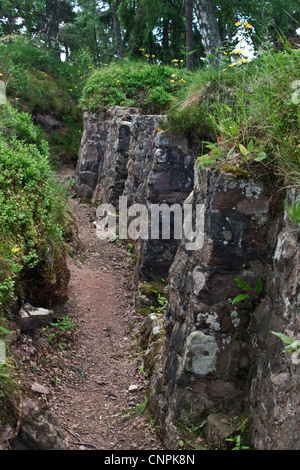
217, 355
124, 154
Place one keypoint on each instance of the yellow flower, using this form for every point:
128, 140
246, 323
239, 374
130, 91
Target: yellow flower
153, 55
238, 23
17, 99
182, 80
15, 250
248, 25
237, 51
142, 50
225, 53
1, 74
91, 66
231, 65
174, 60
173, 75
240, 62
245, 61
172, 81
181, 60
146, 55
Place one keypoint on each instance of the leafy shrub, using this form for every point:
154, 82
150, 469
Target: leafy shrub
149, 87
19, 125
252, 105
37, 82
32, 206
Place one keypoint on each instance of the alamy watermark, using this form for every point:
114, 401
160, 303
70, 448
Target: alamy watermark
156, 222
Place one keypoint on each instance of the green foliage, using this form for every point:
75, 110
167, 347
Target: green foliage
37, 82
292, 344
246, 287
149, 87
236, 440
60, 331
249, 112
19, 125
294, 212
32, 206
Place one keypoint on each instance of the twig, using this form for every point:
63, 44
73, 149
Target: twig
86, 444
79, 443
120, 440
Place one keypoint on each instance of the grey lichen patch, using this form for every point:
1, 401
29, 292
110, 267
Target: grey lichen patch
200, 353
199, 280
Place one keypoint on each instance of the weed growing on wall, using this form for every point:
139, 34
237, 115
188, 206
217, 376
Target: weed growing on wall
246, 115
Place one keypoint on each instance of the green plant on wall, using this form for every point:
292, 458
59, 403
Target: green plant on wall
294, 212
246, 287
292, 344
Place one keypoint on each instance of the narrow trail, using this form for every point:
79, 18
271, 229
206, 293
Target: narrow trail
93, 387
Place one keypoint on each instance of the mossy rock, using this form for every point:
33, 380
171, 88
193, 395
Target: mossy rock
152, 289
47, 283
235, 170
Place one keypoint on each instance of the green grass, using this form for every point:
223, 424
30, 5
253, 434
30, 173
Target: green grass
36, 82
32, 206
246, 116
152, 88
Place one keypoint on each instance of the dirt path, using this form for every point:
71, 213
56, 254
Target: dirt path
94, 387
92, 379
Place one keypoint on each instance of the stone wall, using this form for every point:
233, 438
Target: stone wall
123, 153
222, 356
216, 355
274, 377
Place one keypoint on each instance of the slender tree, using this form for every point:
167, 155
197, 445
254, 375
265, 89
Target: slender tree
209, 30
52, 24
117, 29
189, 35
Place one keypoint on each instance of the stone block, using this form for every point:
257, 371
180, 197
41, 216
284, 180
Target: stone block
31, 318
219, 427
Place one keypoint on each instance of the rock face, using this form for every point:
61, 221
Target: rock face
223, 356
124, 154
217, 355
31, 318
274, 377
39, 429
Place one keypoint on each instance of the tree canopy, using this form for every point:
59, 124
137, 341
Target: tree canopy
157, 30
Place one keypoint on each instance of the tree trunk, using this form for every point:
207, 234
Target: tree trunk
166, 27
209, 30
117, 29
52, 24
189, 35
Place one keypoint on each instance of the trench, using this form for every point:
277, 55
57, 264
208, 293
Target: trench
95, 385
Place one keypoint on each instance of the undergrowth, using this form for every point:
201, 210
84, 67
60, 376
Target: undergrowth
38, 83
151, 88
245, 115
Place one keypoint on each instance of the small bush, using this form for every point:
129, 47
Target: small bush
250, 111
32, 206
19, 125
148, 87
